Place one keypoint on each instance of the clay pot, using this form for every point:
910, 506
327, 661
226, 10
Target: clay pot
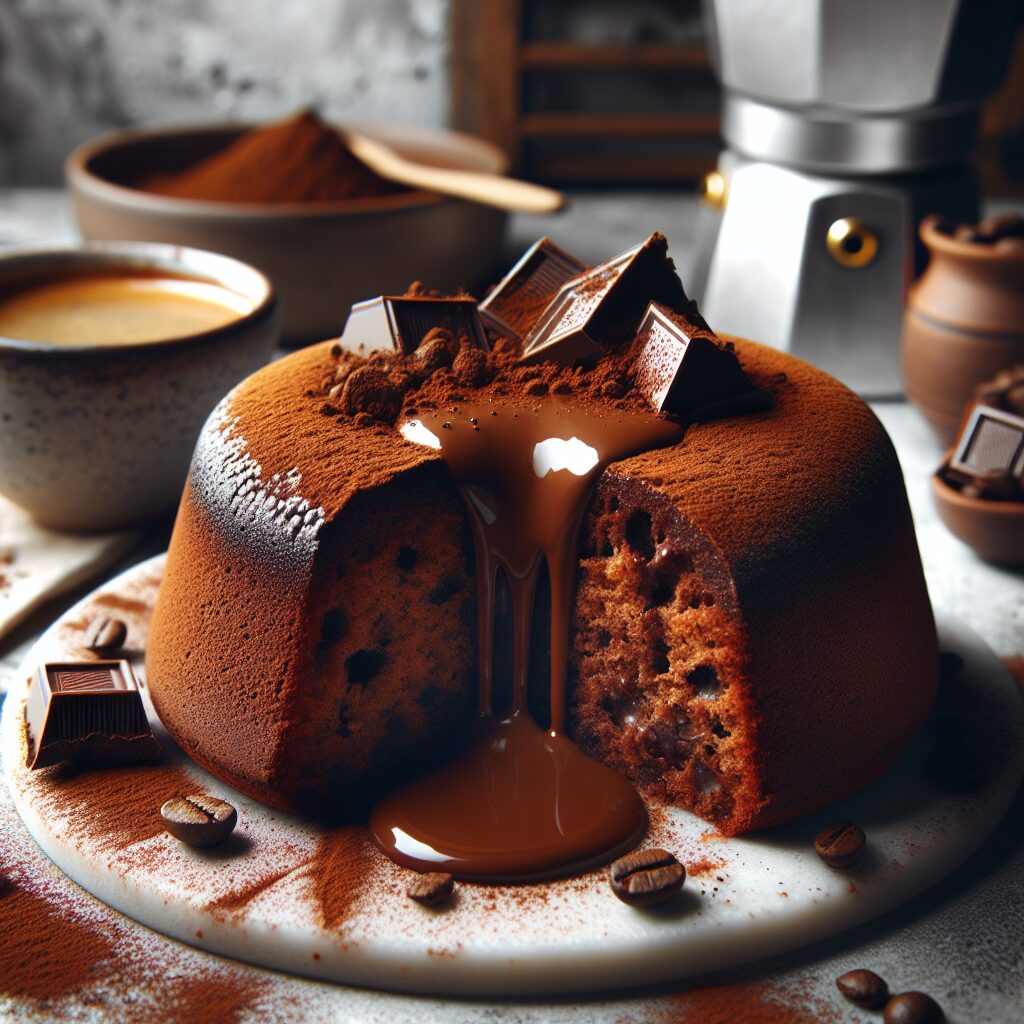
964, 322
994, 529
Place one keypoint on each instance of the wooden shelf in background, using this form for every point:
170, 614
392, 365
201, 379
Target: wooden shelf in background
555, 55
612, 169
587, 125
497, 81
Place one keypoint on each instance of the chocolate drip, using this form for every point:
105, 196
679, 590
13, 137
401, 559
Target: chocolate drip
523, 802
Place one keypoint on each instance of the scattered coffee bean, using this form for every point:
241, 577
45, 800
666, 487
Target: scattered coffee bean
432, 888
200, 820
647, 878
106, 636
913, 1008
865, 988
840, 845
950, 663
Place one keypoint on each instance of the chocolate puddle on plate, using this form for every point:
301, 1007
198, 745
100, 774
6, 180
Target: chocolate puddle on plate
522, 803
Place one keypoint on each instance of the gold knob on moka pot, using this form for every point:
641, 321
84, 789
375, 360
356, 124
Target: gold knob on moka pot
851, 243
712, 189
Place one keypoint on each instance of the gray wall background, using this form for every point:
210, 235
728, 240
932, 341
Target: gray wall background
71, 69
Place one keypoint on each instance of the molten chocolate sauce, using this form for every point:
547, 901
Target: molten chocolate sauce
523, 802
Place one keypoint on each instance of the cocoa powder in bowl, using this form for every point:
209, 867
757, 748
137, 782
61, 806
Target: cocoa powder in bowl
298, 160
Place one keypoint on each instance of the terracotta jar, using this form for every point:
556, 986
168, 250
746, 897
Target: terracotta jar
964, 320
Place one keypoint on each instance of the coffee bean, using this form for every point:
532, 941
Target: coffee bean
432, 888
865, 988
840, 845
106, 636
647, 878
200, 820
913, 1008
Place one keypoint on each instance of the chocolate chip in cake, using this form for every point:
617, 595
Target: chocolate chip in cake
432, 888
913, 1008
638, 534
647, 878
865, 988
407, 558
333, 626
200, 820
840, 845
363, 666
106, 636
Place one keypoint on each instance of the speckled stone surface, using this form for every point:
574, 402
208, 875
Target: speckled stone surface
962, 941
280, 895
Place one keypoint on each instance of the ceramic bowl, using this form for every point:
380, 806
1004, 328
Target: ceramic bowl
99, 437
994, 529
322, 257
964, 322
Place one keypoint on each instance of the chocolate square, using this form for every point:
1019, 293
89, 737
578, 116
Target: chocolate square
680, 370
517, 302
399, 323
601, 309
89, 711
991, 443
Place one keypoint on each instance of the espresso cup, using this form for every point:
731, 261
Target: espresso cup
96, 435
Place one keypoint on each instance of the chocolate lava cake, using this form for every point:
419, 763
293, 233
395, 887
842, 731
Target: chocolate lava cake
751, 635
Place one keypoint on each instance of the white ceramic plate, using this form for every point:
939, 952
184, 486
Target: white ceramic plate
291, 896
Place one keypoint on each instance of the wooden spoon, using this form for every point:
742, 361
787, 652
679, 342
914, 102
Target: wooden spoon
489, 189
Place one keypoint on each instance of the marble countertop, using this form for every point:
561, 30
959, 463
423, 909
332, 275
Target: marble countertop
963, 941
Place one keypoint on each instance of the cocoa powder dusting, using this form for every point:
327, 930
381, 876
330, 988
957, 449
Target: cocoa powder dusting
240, 898
45, 955
122, 603
754, 1002
62, 951
294, 161
342, 869
205, 997
111, 810
703, 866
374, 389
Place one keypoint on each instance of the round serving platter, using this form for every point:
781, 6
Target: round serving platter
289, 895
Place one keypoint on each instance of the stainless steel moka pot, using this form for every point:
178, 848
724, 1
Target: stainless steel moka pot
846, 122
